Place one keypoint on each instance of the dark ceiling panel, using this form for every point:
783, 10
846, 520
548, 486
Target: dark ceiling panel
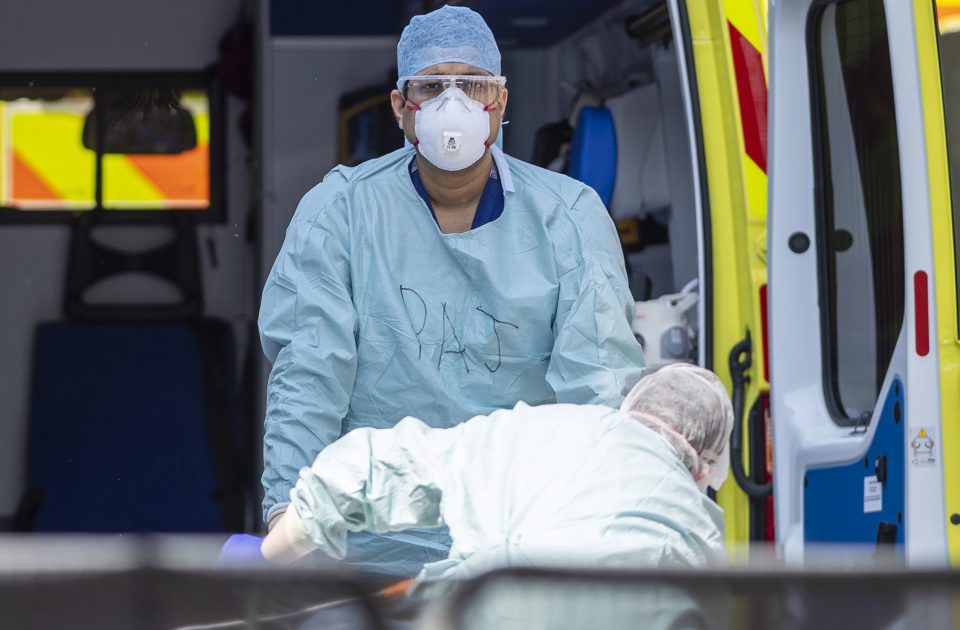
537, 23
323, 18
515, 23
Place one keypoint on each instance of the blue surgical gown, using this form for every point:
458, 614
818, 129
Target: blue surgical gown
370, 314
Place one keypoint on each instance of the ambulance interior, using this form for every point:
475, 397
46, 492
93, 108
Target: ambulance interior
622, 80
134, 248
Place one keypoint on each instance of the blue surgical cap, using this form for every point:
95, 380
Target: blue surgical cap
449, 34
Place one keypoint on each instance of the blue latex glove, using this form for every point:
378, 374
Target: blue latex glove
241, 549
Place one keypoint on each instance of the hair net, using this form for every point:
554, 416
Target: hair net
690, 408
449, 34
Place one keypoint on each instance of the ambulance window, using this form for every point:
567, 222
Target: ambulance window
166, 167
860, 212
116, 143
948, 19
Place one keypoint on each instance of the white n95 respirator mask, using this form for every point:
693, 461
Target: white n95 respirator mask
452, 130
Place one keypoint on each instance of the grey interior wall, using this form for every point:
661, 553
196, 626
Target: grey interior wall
683, 215
94, 35
531, 77
303, 81
112, 34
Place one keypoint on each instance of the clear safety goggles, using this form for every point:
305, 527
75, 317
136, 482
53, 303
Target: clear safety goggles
422, 87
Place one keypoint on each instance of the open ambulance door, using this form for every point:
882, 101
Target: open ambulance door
722, 57
863, 324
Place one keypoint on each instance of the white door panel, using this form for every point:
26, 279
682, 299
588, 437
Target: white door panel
806, 434
797, 400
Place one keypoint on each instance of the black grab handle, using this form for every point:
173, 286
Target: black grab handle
738, 369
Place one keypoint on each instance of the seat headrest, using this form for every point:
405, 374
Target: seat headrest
593, 151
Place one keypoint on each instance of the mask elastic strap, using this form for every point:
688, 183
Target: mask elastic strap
414, 108
489, 108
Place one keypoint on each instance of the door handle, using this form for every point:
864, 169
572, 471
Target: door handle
739, 361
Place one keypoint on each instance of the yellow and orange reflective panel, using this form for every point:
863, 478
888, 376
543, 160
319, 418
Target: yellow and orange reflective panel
174, 181
44, 163
45, 166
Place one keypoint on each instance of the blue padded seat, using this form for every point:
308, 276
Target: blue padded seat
593, 151
133, 428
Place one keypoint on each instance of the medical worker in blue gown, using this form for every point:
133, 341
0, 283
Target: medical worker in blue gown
442, 281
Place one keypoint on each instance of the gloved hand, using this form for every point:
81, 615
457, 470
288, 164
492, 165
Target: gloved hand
241, 549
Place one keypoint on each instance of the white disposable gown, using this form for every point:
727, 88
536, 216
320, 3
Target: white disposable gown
550, 485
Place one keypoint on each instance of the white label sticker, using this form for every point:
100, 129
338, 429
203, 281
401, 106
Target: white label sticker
923, 446
872, 495
451, 141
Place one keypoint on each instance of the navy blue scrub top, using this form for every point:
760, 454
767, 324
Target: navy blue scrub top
491, 202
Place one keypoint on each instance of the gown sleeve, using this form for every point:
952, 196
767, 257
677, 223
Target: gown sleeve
595, 359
